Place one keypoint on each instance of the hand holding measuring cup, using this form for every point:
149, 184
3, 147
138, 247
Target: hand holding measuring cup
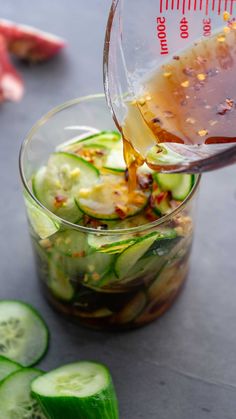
169, 73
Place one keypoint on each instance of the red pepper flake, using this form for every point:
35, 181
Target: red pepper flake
228, 105
150, 215
176, 57
159, 198
121, 211
78, 254
59, 201
96, 276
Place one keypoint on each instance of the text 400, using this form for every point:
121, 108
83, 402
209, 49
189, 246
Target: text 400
184, 28
161, 35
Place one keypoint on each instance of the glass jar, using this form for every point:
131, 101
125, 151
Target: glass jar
105, 279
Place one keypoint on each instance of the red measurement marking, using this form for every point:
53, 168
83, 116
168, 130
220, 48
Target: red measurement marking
177, 4
183, 7
226, 1
172, 4
213, 5
200, 4
231, 7
195, 5
207, 6
189, 4
167, 5
161, 6
219, 7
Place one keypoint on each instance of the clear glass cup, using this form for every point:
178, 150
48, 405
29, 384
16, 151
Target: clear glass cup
85, 283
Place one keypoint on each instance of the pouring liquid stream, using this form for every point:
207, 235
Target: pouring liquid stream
186, 109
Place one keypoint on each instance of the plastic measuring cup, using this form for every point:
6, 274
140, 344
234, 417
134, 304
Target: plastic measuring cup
143, 35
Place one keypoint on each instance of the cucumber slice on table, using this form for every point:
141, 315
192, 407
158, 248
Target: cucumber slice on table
41, 223
23, 333
55, 185
108, 199
15, 396
179, 185
80, 390
7, 367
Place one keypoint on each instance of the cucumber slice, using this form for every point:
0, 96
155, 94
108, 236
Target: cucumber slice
55, 185
79, 390
167, 182
104, 138
127, 260
110, 244
93, 153
132, 309
179, 185
23, 333
7, 367
71, 243
41, 223
59, 282
160, 200
16, 401
115, 159
108, 199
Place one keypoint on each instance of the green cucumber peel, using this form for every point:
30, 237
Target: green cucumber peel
24, 335
80, 390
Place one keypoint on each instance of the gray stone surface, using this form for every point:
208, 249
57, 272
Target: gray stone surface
182, 366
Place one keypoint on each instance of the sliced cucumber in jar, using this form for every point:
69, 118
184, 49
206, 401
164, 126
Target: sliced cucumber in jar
80, 390
7, 367
93, 153
127, 260
23, 333
115, 159
179, 185
55, 185
131, 310
109, 243
103, 139
108, 199
160, 200
43, 225
71, 243
15, 396
59, 282
88, 270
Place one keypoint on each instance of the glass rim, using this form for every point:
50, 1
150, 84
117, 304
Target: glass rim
61, 221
